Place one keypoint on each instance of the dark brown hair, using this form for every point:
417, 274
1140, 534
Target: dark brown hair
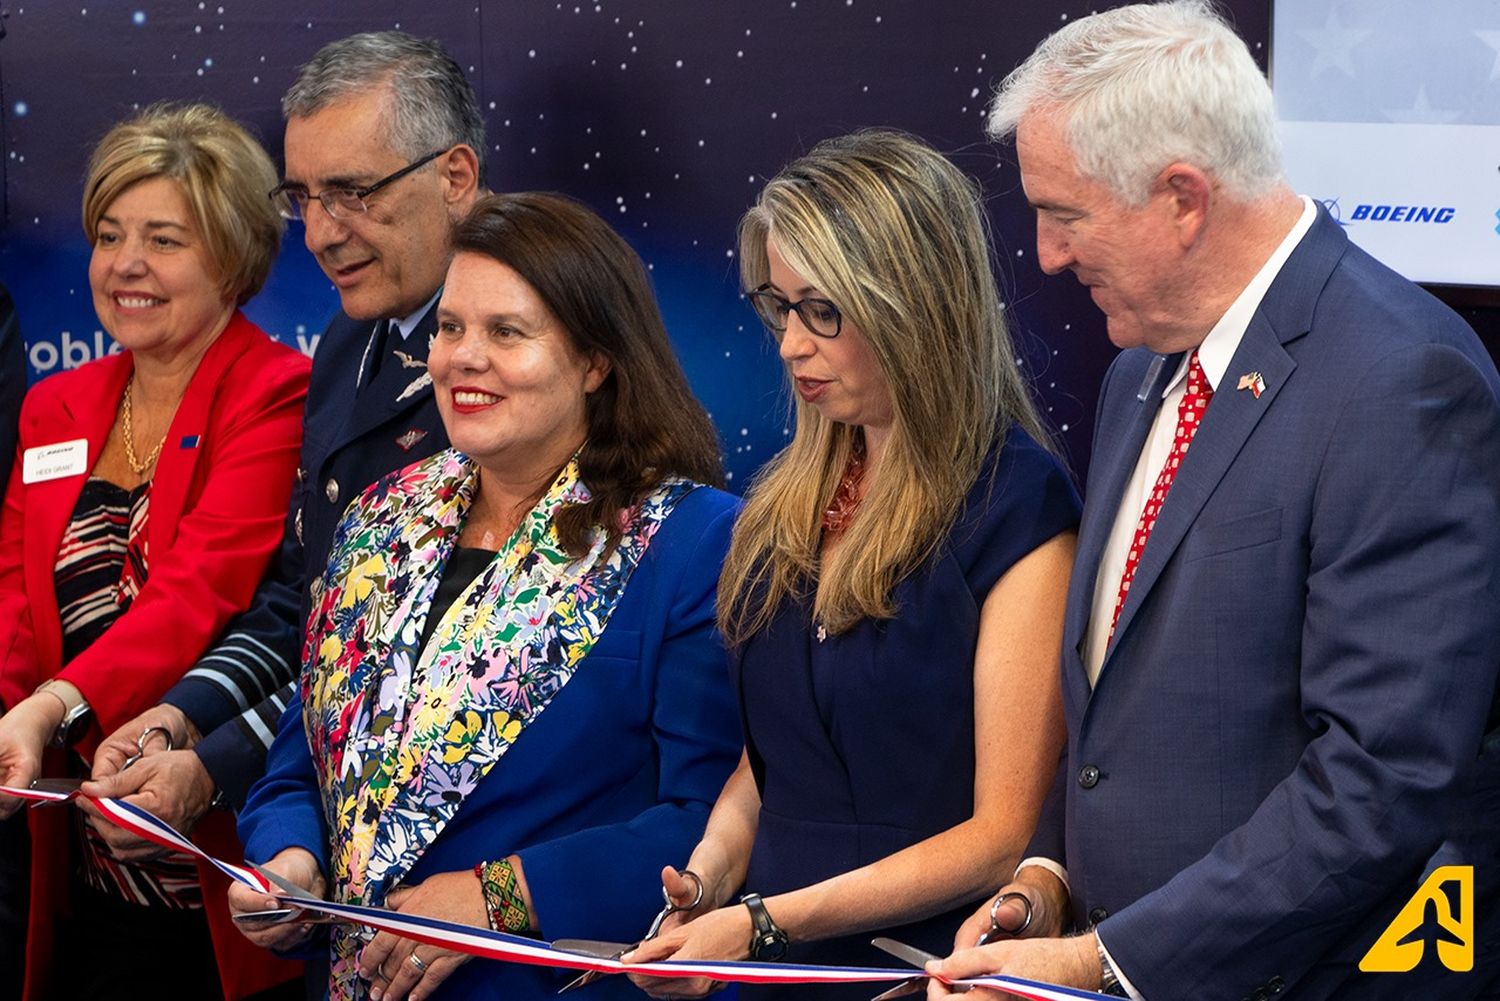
644, 424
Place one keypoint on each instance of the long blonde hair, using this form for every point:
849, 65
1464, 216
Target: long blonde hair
896, 236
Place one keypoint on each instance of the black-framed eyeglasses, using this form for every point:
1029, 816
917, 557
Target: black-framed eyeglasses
819, 316
339, 202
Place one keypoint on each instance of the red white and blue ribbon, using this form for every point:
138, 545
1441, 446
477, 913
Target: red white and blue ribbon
487, 944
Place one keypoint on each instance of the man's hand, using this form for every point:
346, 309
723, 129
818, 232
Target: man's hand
173, 785
1068, 962
125, 743
1049, 910
296, 865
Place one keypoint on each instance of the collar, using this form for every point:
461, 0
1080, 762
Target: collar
408, 323
1218, 348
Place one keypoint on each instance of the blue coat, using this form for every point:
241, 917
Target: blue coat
614, 779
1289, 721
354, 431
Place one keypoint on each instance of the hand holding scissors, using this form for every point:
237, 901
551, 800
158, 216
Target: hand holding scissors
614, 950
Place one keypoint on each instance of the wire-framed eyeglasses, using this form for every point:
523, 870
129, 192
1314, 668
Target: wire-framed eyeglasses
340, 202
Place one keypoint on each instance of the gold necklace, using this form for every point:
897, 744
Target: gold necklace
128, 433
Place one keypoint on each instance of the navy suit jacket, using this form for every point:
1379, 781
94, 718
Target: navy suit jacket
1289, 721
355, 430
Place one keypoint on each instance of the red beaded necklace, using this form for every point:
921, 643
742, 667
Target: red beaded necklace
846, 498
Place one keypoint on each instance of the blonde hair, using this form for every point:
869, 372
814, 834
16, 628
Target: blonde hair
895, 235
224, 175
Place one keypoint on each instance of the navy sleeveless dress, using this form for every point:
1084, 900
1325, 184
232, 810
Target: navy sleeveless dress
862, 744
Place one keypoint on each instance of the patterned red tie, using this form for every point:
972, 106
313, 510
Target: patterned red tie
1189, 413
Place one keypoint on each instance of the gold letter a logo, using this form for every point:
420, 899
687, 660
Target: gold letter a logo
1429, 917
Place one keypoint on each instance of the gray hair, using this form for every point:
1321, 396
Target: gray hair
432, 105
1143, 86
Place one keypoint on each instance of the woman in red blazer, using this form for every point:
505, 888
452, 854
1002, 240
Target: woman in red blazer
148, 494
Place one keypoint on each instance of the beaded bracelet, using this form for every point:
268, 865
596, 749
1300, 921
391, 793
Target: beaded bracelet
503, 903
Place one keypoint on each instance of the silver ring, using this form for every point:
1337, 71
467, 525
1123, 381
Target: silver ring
417, 962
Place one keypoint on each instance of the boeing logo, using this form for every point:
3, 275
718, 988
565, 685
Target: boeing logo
1402, 213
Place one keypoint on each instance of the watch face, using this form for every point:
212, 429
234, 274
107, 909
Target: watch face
771, 946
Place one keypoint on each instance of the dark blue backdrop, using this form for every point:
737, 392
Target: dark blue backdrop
664, 116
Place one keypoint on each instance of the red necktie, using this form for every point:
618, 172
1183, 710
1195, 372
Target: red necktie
1189, 414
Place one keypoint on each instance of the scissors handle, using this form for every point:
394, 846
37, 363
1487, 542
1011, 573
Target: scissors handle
671, 905
140, 744
995, 931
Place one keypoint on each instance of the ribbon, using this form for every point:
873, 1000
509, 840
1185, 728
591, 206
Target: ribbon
487, 944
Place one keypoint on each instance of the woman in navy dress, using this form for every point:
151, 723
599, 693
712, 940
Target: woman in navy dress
894, 589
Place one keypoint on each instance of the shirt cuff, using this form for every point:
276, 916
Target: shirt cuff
1054, 867
1119, 973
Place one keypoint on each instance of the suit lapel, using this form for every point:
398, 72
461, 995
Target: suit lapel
186, 437
1285, 314
1229, 421
88, 413
1109, 473
399, 386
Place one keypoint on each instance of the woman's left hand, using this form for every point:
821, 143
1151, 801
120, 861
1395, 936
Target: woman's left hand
720, 934
452, 896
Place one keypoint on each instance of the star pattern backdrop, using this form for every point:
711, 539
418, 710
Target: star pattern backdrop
666, 117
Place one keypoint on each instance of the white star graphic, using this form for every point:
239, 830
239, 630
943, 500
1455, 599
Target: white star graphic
1492, 39
1334, 44
1422, 112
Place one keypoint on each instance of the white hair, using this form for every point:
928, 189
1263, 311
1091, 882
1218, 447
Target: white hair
1140, 87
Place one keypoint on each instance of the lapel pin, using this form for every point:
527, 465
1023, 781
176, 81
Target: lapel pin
191, 441
1254, 382
409, 440
407, 361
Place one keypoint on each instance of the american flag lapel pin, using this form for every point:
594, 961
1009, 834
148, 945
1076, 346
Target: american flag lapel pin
1254, 382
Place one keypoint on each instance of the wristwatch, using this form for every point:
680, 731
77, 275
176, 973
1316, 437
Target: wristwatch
768, 942
75, 711
1109, 980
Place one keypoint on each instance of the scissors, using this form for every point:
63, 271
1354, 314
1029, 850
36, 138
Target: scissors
284, 915
917, 957
909, 954
616, 950
140, 744
71, 785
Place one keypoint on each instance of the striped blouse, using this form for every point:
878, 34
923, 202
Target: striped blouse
101, 567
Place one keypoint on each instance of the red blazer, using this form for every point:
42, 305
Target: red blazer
218, 503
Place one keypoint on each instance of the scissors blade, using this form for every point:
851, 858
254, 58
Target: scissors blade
54, 785
590, 947
906, 953
285, 885
911, 985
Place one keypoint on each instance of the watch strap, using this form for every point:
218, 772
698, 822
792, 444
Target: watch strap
75, 708
1109, 980
767, 941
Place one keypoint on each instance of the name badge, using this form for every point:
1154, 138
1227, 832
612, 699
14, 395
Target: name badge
53, 462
